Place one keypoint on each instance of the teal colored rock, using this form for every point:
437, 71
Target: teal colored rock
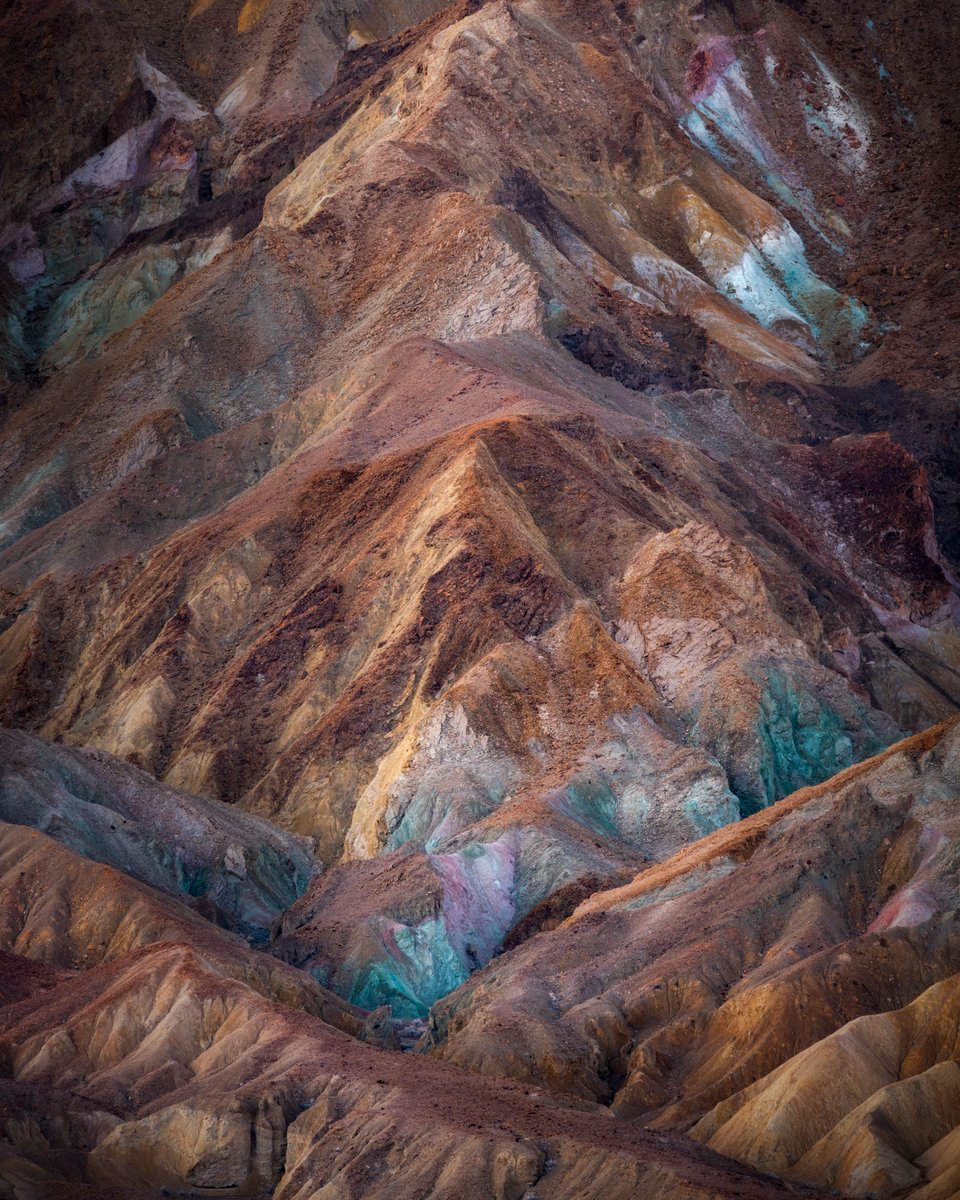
411, 966
110, 812
419, 965
800, 740
591, 803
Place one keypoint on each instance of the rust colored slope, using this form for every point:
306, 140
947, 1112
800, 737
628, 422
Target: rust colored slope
210, 1080
60, 909
666, 999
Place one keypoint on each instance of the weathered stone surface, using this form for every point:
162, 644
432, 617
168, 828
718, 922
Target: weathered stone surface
787, 986
217, 1088
245, 870
59, 909
463, 467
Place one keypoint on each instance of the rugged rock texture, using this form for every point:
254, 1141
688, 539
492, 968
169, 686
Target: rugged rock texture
485, 502
185, 1080
787, 986
895, 1098
245, 870
58, 908
458, 462
715, 994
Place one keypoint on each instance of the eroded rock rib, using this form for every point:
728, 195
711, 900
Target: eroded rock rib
60, 909
198, 1082
245, 870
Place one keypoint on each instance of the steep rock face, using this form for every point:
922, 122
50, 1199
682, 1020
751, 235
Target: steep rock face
395, 693
895, 1095
141, 145
506, 444
59, 909
493, 496
522, 219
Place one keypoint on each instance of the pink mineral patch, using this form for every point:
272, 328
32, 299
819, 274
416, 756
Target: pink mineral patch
915, 902
478, 901
122, 163
911, 906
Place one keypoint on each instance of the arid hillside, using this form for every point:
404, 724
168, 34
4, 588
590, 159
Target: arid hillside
479, 523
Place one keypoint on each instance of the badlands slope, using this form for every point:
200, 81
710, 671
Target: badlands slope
479, 501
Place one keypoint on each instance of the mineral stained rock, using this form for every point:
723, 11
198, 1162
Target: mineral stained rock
479, 523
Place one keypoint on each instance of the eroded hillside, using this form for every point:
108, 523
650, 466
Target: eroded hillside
461, 467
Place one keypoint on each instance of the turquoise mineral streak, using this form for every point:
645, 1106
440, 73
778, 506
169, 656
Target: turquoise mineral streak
723, 104
35, 477
413, 966
432, 816
800, 741
904, 113
696, 127
591, 803
724, 109
424, 968
83, 308
835, 320
704, 813
194, 883
750, 284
